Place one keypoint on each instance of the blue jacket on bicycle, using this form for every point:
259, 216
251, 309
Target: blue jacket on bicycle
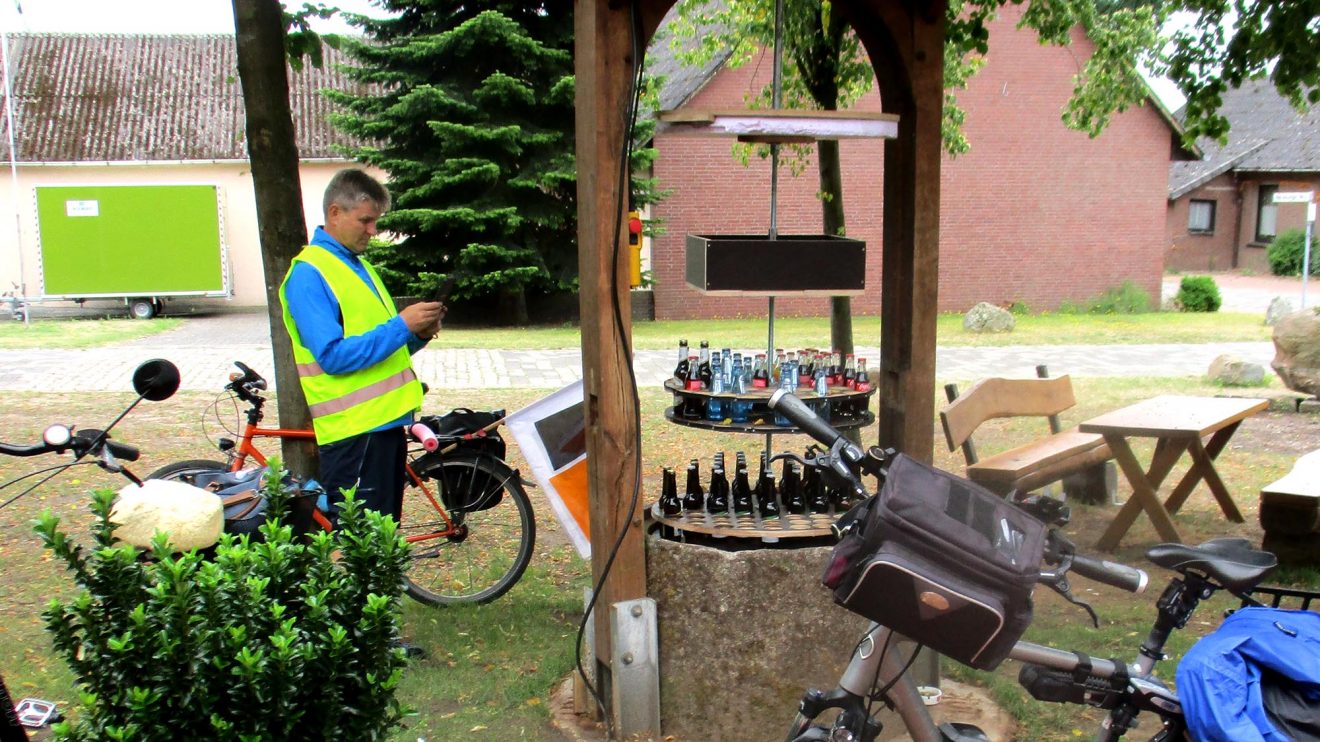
1257, 677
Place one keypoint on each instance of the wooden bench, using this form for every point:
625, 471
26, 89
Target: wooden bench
1079, 459
1290, 513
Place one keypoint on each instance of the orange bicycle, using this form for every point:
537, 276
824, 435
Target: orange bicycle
466, 512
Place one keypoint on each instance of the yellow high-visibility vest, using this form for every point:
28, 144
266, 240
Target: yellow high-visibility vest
345, 405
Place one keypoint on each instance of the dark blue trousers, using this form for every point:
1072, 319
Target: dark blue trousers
374, 463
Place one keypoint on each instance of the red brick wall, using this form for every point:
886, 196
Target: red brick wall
1252, 255
1034, 213
1187, 251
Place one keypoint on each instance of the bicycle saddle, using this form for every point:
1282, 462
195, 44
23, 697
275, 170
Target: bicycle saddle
1232, 562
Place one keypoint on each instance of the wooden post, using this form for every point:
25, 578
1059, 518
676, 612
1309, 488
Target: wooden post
906, 44
603, 62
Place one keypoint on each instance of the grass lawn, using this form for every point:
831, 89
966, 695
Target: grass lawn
813, 332
791, 332
79, 333
492, 668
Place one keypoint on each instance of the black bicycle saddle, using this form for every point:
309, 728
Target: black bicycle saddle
1232, 562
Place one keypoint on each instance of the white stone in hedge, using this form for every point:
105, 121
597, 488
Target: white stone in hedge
193, 517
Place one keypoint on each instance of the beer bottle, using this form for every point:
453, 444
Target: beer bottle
794, 501
765, 493
669, 502
717, 499
694, 497
742, 490
818, 500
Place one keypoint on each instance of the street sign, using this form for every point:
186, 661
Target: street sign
1294, 197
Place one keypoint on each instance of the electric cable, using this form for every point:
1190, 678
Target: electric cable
622, 185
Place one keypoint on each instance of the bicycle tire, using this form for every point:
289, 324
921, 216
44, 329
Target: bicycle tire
490, 556
186, 471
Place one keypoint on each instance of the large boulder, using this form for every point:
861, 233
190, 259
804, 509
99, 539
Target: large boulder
1297, 351
1280, 306
1230, 370
986, 317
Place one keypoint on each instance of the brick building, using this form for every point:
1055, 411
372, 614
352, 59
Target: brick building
1035, 213
1221, 211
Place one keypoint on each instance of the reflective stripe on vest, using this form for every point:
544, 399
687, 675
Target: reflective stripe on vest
346, 405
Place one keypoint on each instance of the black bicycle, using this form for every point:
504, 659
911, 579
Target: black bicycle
877, 672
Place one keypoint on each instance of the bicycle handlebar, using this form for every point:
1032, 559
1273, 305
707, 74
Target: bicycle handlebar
786, 404
1110, 573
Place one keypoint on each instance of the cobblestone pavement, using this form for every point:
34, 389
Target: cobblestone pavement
204, 348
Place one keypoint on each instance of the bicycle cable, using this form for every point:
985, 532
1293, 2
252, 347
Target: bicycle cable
623, 183
54, 470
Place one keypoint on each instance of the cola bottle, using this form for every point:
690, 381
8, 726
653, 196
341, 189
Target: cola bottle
681, 370
703, 365
760, 374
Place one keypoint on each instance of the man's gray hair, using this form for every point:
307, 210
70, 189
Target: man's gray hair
350, 187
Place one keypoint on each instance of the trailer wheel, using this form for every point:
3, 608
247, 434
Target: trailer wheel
142, 308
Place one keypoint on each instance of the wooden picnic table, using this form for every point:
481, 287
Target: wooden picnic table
1178, 424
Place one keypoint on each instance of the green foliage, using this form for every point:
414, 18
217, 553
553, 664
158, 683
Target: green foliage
1125, 299
470, 109
1198, 294
1225, 44
1285, 254
281, 639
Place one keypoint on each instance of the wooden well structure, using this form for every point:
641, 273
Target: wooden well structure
905, 42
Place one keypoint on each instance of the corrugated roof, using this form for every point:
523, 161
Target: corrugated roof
142, 98
1267, 135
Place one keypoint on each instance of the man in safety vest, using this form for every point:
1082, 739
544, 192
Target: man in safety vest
354, 350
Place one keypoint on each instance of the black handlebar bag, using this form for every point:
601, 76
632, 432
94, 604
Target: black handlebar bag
942, 561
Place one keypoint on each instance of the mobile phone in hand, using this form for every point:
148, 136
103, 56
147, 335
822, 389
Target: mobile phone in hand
446, 286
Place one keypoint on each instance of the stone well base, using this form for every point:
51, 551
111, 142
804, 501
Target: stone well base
743, 634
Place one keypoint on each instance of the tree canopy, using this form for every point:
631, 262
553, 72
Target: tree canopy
469, 109
1206, 47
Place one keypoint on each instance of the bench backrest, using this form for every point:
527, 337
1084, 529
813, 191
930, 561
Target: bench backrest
992, 398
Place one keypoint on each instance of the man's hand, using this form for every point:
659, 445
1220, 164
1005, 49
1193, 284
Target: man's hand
423, 318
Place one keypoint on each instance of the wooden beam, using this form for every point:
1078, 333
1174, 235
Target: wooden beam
603, 62
906, 44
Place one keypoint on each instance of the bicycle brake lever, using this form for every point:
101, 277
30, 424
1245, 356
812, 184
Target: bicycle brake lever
1058, 582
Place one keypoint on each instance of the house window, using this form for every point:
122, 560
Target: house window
1266, 211
1201, 217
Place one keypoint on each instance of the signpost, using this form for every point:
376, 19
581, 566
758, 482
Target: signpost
1308, 198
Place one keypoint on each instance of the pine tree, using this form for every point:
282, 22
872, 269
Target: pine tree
469, 109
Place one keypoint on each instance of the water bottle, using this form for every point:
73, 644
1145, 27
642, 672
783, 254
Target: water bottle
741, 404
715, 405
726, 368
821, 405
788, 382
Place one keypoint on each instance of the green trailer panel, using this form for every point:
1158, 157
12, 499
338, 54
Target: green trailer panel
130, 241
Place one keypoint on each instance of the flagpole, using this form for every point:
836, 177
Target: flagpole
13, 172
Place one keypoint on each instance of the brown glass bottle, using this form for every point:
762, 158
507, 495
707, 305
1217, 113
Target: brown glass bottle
670, 504
694, 496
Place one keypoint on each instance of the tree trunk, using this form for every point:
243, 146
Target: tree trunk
513, 307
831, 204
273, 154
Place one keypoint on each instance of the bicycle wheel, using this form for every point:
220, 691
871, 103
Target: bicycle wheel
187, 471
491, 543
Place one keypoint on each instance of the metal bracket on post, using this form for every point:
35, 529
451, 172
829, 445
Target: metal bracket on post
635, 667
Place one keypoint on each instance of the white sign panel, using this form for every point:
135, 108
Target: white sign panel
1294, 197
1310, 212
82, 208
